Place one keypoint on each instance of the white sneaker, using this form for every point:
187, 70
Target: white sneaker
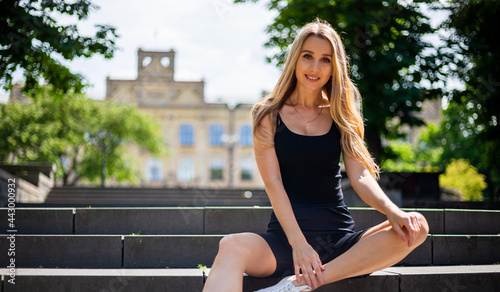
285, 285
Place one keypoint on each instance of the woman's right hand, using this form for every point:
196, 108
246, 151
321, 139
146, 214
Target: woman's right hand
305, 258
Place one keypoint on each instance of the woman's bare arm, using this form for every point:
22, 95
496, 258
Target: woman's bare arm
370, 192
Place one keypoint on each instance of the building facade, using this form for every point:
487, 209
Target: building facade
209, 144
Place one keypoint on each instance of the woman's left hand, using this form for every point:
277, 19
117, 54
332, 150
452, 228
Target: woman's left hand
405, 224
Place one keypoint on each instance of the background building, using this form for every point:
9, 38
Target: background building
210, 144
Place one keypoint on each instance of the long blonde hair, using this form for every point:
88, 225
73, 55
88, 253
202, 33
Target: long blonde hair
340, 90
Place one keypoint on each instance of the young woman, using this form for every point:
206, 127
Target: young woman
300, 131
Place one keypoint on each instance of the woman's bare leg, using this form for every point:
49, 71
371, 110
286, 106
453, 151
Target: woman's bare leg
239, 253
379, 248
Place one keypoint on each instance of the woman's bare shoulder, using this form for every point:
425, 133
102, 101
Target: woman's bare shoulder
265, 133
267, 120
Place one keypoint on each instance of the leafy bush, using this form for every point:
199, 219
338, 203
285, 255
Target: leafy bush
461, 175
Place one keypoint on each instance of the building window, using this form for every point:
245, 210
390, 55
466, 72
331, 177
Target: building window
247, 166
216, 169
216, 133
186, 135
154, 171
185, 172
246, 135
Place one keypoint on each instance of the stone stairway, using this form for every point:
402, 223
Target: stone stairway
159, 249
158, 197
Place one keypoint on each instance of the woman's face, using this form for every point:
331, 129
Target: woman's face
314, 66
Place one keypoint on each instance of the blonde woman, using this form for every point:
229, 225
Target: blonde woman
300, 131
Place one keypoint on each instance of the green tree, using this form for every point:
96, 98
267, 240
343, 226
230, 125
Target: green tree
87, 139
32, 40
389, 57
112, 129
404, 158
461, 175
422, 157
470, 129
455, 136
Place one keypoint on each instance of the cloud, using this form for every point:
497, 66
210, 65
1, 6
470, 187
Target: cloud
215, 40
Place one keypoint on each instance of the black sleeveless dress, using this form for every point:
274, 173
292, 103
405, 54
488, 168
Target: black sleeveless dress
310, 171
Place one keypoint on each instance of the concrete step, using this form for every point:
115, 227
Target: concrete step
409, 279
126, 191
156, 197
187, 251
397, 279
85, 280
216, 220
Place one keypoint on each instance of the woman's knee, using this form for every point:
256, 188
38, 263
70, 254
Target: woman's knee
247, 251
424, 227
233, 245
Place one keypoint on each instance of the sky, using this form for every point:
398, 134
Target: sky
214, 40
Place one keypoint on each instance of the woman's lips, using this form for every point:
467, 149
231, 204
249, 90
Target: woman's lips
312, 78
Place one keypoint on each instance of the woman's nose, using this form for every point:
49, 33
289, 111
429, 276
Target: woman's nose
314, 66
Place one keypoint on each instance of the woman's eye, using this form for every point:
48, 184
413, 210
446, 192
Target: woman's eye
307, 56
325, 60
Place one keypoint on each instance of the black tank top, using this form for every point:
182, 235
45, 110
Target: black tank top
309, 165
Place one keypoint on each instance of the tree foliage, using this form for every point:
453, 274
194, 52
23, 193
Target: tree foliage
470, 127
33, 41
389, 57
406, 157
82, 136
